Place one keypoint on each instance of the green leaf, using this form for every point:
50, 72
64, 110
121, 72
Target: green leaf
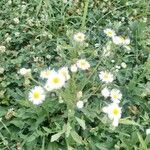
76, 137
68, 129
128, 122
143, 144
56, 136
81, 123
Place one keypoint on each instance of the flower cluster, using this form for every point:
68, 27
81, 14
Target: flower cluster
113, 110
54, 80
118, 40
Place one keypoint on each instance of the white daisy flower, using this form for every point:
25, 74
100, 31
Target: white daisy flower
55, 81
114, 113
65, 72
105, 92
109, 32
79, 37
115, 95
106, 76
80, 104
37, 95
118, 40
24, 71
83, 64
46, 73
73, 68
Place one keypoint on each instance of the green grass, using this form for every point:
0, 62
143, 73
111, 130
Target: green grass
44, 38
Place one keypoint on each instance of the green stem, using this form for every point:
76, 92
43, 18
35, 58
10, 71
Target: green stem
85, 13
5, 126
37, 82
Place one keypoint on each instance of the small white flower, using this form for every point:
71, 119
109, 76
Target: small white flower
37, 95
147, 131
2, 49
79, 37
24, 72
112, 61
106, 76
73, 68
16, 20
65, 72
83, 64
1, 70
144, 20
55, 81
115, 95
46, 73
117, 67
105, 92
109, 32
114, 113
80, 104
123, 65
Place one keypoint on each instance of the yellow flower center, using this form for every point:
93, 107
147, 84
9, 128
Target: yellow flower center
80, 37
116, 111
83, 63
56, 80
109, 33
122, 39
106, 77
36, 95
115, 96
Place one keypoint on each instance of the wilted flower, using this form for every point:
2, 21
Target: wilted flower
2, 49
65, 72
79, 37
106, 76
83, 64
79, 94
37, 95
114, 113
9, 113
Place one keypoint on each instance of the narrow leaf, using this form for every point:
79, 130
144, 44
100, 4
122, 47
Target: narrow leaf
81, 123
56, 136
